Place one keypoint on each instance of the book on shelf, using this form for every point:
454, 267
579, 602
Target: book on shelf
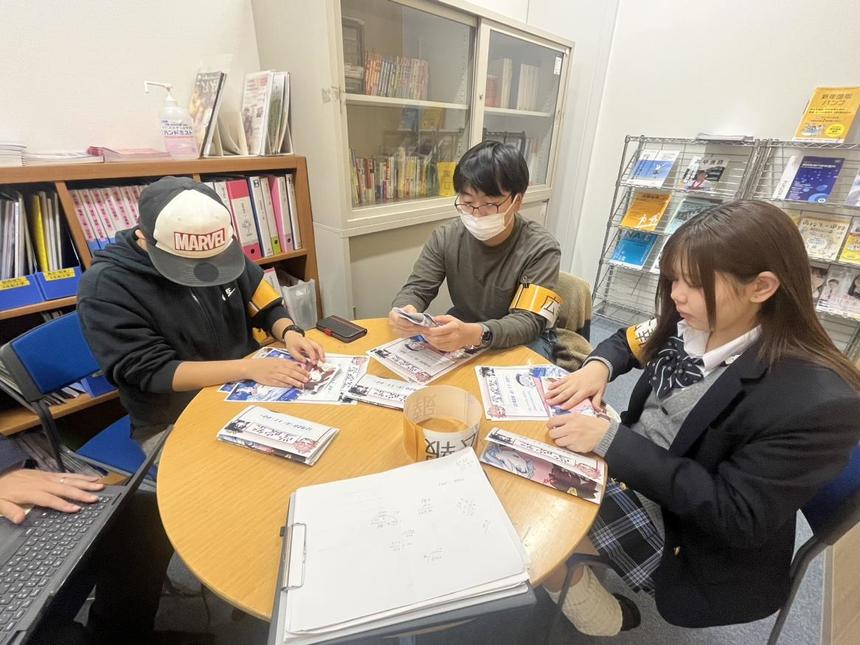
646, 209
633, 248
654, 267
127, 154
851, 249
840, 294
829, 115
543, 463
206, 96
278, 434
704, 172
813, 182
686, 209
502, 70
396, 76
822, 236
653, 167
527, 87
63, 157
817, 276
266, 113
853, 198
102, 212
400, 175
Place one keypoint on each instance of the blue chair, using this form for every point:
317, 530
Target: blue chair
50, 357
833, 512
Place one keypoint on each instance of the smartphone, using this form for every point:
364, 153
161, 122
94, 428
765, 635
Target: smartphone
341, 328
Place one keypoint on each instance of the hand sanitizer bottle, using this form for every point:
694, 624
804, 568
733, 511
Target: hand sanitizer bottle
177, 128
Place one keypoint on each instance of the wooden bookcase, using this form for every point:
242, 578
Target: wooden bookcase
301, 263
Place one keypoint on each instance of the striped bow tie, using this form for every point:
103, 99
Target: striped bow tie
672, 368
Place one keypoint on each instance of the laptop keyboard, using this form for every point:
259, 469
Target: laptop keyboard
49, 540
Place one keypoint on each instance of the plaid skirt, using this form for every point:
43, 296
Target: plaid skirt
624, 534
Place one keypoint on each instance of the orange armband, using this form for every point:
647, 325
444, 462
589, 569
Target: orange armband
538, 300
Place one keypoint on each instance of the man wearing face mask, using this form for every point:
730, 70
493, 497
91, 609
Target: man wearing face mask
502, 269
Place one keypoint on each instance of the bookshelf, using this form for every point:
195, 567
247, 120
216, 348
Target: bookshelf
360, 132
301, 263
752, 170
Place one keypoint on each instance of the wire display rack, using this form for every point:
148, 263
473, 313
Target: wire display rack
753, 170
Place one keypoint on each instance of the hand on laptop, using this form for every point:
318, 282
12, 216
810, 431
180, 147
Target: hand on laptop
42, 488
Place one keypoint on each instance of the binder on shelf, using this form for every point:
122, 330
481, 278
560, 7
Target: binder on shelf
61, 283
19, 292
294, 212
281, 210
269, 209
260, 216
246, 229
84, 220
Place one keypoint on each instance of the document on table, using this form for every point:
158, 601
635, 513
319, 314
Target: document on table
398, 545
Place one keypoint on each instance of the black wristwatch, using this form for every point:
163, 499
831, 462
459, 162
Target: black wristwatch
294, 327
486, 338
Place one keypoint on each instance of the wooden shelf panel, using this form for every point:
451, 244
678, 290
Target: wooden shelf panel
19, 418
153, 168
271, 259
48, 305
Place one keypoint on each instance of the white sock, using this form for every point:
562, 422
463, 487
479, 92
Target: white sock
591, 609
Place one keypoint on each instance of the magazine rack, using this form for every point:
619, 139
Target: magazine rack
753, 170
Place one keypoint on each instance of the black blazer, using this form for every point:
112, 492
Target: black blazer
757, 446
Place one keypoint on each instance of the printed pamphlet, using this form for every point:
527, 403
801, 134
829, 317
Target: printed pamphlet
570, 472
384, 392
278, 434
418, 361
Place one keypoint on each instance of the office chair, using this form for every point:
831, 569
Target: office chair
833, 512
49, 357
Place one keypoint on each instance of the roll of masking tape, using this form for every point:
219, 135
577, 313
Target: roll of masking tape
439, 420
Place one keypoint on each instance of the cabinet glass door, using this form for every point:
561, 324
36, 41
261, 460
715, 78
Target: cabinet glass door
520, 98
408, 79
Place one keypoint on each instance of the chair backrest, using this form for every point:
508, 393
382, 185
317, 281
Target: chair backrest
575, 312
835, 509
49, 357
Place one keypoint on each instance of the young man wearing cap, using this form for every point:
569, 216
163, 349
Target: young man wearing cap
170, 307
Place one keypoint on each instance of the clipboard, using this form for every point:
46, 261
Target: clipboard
292, 531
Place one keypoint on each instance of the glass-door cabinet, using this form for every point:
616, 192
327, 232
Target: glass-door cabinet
423, 82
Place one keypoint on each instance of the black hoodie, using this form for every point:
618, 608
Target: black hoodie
140, 325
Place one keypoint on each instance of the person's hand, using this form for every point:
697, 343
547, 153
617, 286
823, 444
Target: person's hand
577, 432
300, 348
452, 334
278, 372
402, 327
42, 488
588, 382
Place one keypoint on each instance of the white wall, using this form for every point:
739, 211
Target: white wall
678, 68
72, 72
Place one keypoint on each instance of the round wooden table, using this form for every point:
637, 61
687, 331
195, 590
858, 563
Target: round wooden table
223, 506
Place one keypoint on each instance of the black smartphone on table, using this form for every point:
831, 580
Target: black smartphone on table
341, 328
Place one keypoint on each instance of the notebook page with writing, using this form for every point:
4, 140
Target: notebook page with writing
405, 539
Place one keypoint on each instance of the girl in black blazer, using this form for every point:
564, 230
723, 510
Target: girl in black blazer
744, 411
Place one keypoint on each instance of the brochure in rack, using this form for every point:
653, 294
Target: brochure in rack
416, 360
384, 392
278, 434
570, 472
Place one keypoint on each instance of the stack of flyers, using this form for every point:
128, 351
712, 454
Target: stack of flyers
278, 434
418, 318
384, 392
416, 360
519, 393
575, 474
328, 382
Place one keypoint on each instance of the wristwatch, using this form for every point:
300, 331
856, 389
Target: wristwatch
293, 327
486, 338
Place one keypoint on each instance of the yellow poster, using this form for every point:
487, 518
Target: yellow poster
829, 115
646, 210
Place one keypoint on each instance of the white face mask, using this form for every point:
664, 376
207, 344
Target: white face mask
486, 227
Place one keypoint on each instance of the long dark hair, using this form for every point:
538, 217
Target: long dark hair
741, 239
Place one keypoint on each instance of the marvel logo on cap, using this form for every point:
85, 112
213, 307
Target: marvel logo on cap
189, 233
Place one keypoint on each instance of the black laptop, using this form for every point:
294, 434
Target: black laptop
38, 555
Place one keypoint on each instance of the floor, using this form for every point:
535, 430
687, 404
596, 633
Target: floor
527, 626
